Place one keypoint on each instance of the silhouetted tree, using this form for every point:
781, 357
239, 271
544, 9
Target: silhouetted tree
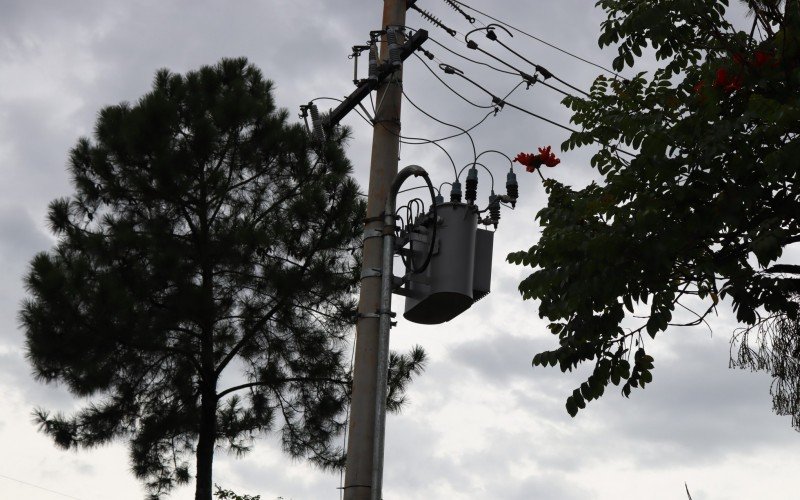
206, 236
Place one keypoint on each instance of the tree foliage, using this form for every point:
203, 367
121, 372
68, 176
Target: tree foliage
201, 292
701, 211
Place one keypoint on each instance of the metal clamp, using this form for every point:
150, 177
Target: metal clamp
371, 273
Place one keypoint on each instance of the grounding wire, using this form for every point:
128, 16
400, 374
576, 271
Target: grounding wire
540, 40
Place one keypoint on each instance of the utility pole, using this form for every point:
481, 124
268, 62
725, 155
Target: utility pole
364, 466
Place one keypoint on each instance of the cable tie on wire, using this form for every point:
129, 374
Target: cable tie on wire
472, 45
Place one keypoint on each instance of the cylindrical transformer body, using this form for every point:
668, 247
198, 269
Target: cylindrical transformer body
444, 290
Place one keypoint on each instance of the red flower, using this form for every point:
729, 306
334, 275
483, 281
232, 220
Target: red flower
734, 84
547, 157
727, 83
722, 78
698, 87
761, 58
532, 161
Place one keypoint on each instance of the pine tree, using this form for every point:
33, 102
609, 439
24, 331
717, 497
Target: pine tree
206, 235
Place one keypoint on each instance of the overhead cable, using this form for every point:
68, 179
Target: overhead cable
531, 78
540, 40
451, 88
464, 131
455, 71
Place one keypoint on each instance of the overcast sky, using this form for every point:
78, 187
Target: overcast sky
481, 423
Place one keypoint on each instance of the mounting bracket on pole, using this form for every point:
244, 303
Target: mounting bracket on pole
385, 70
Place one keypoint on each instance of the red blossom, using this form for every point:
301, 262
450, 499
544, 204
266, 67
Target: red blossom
727, 83
761, 58
547, 157
698, 87
722, 78
734, 84
532, 161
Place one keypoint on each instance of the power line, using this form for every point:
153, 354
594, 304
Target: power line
464, 131
516, 71
451, 88
552, 45
523, 110
38, 487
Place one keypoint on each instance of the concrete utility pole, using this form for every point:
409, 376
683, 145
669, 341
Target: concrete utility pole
364, 444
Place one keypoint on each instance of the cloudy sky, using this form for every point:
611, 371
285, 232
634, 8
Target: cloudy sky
481, 423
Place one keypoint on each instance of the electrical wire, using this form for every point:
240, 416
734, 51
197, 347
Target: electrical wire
546, 73
419, 141
481, 165
451, 88
531, 78
531, 113
540, 40
470, 59
464, 131
38, 487
497, 152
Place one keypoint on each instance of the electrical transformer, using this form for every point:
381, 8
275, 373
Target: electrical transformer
460, 267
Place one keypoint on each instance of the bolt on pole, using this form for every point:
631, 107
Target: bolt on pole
362, 439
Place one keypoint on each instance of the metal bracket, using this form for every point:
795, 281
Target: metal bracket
372, 233
371, 273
